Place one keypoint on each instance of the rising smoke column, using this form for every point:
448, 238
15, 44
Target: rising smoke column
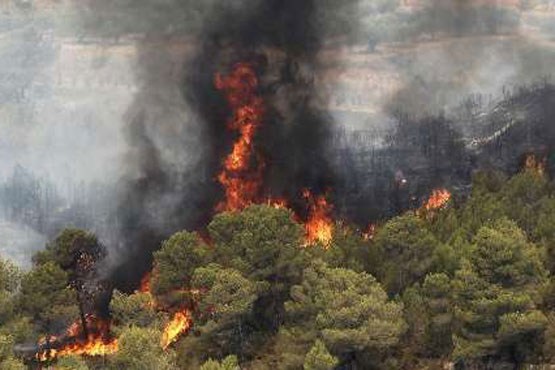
280, 40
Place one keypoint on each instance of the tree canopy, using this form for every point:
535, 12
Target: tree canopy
469, 284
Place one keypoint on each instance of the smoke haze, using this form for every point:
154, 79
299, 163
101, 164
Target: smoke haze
120, 96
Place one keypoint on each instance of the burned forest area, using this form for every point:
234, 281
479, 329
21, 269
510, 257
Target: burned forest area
277, 184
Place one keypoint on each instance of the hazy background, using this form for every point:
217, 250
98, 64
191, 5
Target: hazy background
72, 74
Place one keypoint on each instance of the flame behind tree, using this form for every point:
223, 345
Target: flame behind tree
145, 283
535, 165
319, 226
241, 176
370, 232
438, 199
181, 321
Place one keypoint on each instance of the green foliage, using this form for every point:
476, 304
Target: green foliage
544, 231
225, 310
139, 349
9, 276
71, 363
7, 306
7, 361
349, 250
6, 346
495, 297
228, 363
288, 348
19, 328
66, 249
262, 242
522, 332
522, 196
476, 282
45, 295
9, 282
226, 294
133, 310
176, 261
350, 310
502, 255
484, 182
12, 364
319, 358
549, 339
407, 252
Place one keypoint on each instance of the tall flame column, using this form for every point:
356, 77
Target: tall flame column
241, 176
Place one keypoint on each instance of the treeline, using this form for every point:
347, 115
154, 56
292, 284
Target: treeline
469, 285
47, 208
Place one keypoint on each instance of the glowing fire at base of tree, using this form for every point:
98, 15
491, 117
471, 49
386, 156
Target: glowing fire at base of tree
94, 346
178, 326
97, 343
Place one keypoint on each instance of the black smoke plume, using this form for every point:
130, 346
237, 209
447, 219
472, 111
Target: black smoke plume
178, 136
175, 159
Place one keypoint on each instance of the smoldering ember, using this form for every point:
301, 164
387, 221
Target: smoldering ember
277, 184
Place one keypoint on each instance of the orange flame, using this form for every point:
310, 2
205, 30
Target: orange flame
97, 343
145, 283
319, 225
178, 326
94, 346
532, 163
370, 232
438, 199
242, 173
145, 288
240, 177
277, 203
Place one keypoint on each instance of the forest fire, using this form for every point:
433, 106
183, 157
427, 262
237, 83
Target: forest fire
532, 163
438, 199
242, 173
370, 232
145, 288
241, 176
96, 342
180, 323
319, 226
145, 283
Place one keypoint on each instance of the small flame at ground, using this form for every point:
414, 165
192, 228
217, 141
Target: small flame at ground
438, 199
73, 343
319, 225
94, 346
178, 326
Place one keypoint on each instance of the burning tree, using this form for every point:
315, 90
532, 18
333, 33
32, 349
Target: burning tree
71, 309
242, 175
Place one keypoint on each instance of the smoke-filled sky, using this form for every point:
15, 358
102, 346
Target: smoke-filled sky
96, 91
70, 72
